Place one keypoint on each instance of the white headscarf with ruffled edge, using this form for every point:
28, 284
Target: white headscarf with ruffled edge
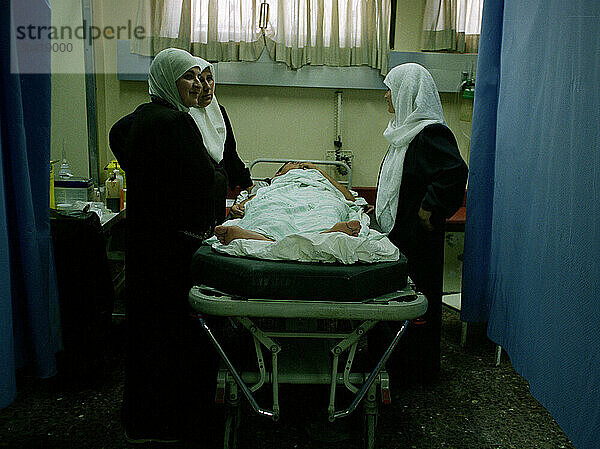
167, 67
416, 104
210, 121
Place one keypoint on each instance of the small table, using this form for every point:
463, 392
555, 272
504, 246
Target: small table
109, 219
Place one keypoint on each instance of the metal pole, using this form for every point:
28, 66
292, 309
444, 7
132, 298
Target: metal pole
372, 376
90, 93
234, 373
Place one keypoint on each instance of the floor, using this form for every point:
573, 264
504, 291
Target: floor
474, 405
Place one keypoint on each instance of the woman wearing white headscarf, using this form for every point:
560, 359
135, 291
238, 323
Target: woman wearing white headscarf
217, 134
421, 183
170, 194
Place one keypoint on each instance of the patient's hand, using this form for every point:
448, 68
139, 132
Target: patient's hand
305, 165
368, 208
287, 167
237, 210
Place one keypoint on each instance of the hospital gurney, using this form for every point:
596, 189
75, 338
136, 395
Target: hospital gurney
250, 292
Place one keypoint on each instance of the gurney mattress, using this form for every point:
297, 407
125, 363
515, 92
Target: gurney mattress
254, 278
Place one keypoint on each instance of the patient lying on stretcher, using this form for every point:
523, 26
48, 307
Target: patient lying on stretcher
303, 215
291, 215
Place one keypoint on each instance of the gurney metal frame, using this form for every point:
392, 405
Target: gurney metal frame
402, 306
338, 164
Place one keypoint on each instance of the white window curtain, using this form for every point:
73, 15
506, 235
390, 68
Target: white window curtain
452, 25
330, 32
299, 32
216, 30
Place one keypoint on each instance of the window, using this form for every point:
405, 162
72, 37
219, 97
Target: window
453, 25
237, 20
468, 16
299, 32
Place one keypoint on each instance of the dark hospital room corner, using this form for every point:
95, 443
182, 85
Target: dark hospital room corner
474, 405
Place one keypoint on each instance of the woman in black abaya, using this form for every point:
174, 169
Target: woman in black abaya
421, 183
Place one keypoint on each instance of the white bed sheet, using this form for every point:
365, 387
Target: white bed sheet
315, 247
306, 200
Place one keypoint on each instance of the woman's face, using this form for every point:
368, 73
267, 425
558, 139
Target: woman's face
388, 98
208, 86
190, 87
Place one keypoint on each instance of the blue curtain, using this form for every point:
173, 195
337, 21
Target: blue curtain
29, 314
532, 238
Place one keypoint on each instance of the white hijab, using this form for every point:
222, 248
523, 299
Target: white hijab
416, 104
210, 121
167, 67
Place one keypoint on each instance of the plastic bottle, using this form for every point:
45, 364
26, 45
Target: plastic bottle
119, 177
114, 192
65, 169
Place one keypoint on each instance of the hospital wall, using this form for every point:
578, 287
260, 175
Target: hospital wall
283, 122
68, 116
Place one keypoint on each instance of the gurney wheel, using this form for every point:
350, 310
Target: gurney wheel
232, 427
370, 423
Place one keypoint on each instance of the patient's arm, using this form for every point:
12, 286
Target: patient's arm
239, 209
336, 184
368, 208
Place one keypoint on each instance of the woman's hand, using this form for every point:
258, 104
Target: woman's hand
237, 210
424, 216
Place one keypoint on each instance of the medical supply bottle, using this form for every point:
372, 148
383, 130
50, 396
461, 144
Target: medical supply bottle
114, 192
119, 176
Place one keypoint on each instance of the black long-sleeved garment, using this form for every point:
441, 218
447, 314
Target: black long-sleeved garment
434, 177
231, 171
237, 172
173, 186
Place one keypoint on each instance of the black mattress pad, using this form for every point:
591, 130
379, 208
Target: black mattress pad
268, 279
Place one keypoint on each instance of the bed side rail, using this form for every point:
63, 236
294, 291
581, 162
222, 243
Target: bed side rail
340, 164
395, 306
